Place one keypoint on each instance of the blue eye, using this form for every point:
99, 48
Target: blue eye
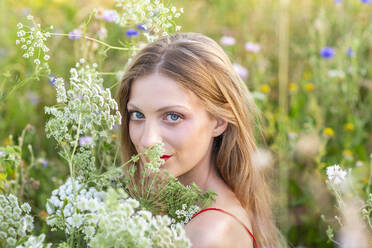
137, 115
173, 117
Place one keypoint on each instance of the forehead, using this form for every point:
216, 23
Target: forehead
155, 90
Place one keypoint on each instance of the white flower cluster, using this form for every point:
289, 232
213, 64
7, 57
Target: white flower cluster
35, 242
335, 174
186, 214
153, 14
15, 221
122, 224
338, 74
111, 219
66, 205
84, 102
32, 41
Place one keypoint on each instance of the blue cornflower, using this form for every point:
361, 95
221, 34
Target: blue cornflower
350, 52
52, 79
141, 27
132, 32
366, 1
327, 52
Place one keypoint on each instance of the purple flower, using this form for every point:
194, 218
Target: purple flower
1, 153
327, 52
85, 141
227, 40
132, 32
52, 79
75, 34
338, 1
252, 47
366, 1
240, 70
141, 27
350, 52
43, 162
33, 97
109, 15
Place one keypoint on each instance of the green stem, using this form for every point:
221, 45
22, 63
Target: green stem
93, 39
108, 172
72, 175
20, 84
334, 241
74, 149
283, 38
370, 177
116, 155
108, 73
150, 187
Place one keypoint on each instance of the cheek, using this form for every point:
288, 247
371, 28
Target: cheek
190, 139
133, 133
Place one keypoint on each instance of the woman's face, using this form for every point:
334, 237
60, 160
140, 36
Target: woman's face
160, 110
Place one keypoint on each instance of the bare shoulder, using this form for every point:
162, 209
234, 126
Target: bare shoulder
217, 229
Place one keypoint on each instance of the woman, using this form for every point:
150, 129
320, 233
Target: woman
183, 91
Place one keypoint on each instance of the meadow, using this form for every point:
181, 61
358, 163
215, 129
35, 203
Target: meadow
307, 63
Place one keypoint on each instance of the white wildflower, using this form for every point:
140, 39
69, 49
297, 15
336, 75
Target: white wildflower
359, 163
79, 208
339, 74
33, 41
227, 40
335, 174
35, 242
141, 228
154, 14
262, 158
86, 104
15, 221
258, 95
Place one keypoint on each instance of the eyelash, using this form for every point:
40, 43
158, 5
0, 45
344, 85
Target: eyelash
168, 113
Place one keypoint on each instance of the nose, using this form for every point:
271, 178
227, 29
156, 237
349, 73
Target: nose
150, 135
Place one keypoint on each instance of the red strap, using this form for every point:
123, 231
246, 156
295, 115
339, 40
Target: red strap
221, 210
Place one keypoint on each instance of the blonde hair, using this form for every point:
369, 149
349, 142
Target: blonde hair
199, 64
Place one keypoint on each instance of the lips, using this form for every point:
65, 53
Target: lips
165, 157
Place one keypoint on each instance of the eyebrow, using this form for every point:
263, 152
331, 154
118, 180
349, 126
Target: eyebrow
160, 109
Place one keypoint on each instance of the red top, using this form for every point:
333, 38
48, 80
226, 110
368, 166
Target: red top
223, 211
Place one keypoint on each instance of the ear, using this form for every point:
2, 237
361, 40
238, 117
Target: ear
220, 127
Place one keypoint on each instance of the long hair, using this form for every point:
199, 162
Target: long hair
199, 64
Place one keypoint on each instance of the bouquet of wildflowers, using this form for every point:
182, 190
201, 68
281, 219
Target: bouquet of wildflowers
101, 204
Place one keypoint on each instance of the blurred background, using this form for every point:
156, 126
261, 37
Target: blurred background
306, 62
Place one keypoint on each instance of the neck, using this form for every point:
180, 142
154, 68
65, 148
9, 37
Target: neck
204, 175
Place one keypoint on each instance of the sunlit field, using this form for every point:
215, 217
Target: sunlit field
307, 64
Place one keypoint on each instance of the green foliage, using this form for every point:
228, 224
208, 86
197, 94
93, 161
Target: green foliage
329, 99
161, 193
10, 159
